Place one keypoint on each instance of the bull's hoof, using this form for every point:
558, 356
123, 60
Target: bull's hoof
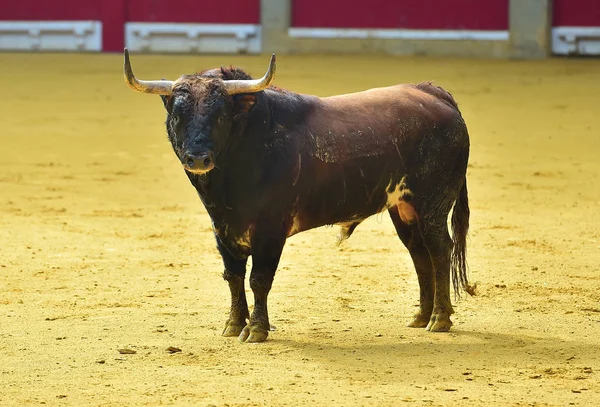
419, 321
253, 334
439, 323
232, 329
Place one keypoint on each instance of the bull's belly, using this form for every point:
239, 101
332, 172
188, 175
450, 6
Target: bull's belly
356, 206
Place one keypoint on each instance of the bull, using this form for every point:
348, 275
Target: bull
268, 163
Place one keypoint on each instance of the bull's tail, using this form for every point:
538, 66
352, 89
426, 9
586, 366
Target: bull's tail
460, 228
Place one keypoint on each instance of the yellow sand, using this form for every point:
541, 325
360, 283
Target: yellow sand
105, 246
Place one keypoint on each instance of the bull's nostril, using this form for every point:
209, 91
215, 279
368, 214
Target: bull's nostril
206, 161
190, 162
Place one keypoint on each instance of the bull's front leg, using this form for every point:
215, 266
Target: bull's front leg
234, 274
266, 252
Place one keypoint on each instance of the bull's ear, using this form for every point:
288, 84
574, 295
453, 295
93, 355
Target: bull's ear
243, 104
165, 100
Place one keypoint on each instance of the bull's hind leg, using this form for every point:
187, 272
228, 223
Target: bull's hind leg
234, 274
434, 232
411, 237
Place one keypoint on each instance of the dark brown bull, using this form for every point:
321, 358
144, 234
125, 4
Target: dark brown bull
269, 163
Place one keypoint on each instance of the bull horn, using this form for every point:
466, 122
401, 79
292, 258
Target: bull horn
155, 87
252, 85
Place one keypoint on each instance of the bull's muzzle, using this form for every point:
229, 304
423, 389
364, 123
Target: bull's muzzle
198, 164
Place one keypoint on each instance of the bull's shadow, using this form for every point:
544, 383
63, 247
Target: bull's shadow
469, 354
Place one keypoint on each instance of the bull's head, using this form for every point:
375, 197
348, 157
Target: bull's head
201, 111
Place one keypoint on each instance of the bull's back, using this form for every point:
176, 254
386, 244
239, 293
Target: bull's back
424, 102
359, 147
376, 122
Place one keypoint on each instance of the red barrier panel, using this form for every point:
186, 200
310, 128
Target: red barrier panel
576, 13
115, 13
50, 10
171, 11
113, 25
408, 14
194, 11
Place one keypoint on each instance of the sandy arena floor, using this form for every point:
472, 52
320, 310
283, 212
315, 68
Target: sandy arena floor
105, 246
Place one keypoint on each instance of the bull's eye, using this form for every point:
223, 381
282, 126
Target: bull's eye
220, 120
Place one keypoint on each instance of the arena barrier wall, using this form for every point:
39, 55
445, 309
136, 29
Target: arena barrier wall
491, 28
